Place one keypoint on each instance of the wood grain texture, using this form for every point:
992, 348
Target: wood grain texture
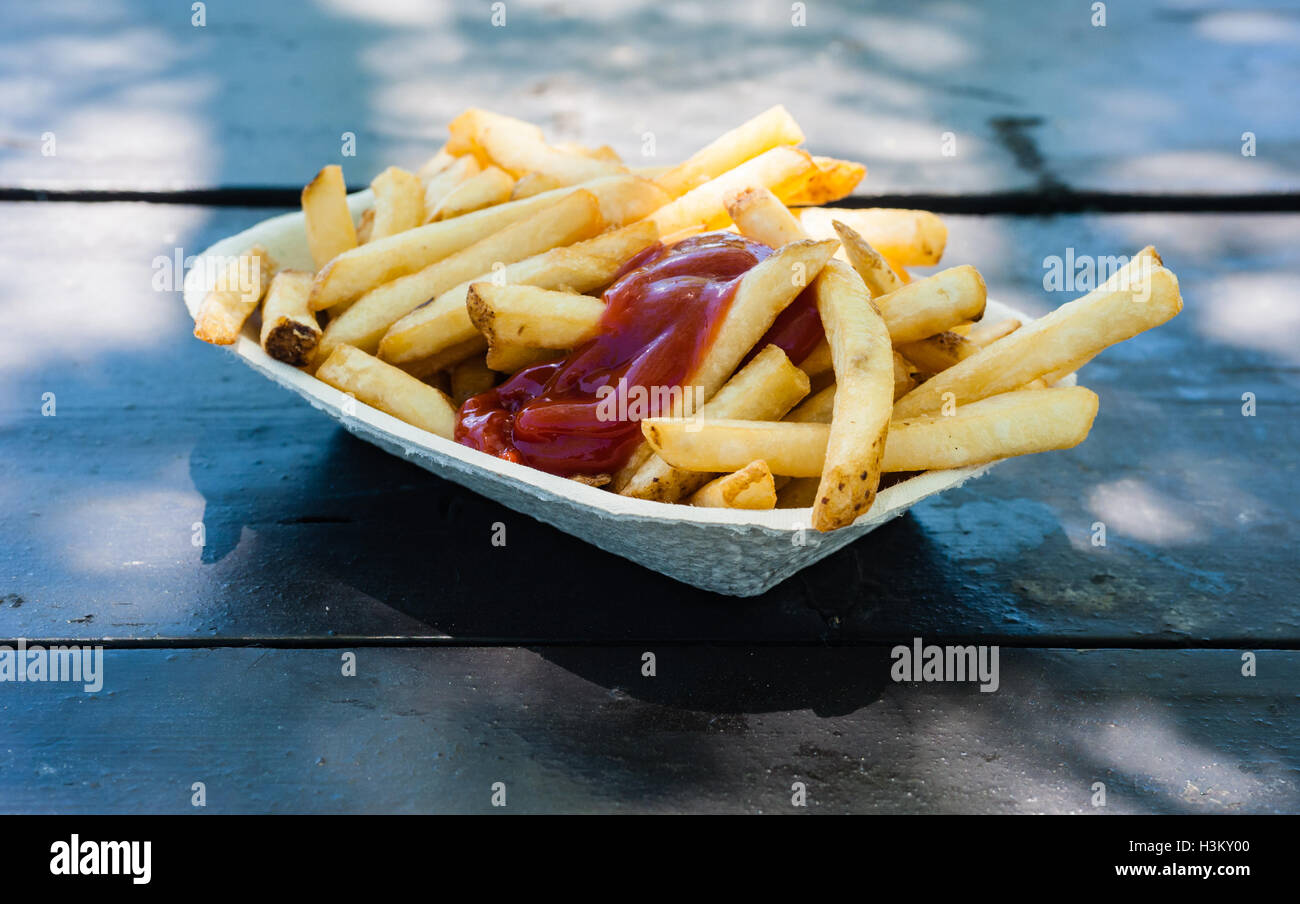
311, 534
717, 730
1035, 97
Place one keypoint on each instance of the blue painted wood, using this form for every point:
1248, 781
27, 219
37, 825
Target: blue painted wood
1035, 96
717, 730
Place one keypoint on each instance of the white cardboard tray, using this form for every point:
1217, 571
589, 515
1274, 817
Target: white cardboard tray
739, 553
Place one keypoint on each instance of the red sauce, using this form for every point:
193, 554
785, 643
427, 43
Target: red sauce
660, 318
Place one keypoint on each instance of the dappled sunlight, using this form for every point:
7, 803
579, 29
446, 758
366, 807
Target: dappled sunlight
1203, 172
1134, 508
1250, 26
126, 525
1263, 316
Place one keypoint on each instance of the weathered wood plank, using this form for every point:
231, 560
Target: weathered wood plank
1035, 96
311, 533
727, 730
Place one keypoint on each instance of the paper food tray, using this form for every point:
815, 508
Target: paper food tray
739, 553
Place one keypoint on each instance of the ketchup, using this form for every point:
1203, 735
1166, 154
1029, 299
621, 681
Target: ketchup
660, 318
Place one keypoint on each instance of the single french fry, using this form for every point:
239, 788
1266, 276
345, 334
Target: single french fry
509, 359
870, 264
931, 305
445, 182
939, 352
363, 324
623, 199
764, 389
389, 389
330, 230
864, 396
1076, 330
365, 225
706, 204
913, 238
772, 128
233, 297
752, 487
399, 202
484, 189
761, 216
833, 180
1014, 423
530, 317
584, 267
518, 147
471, 377
290, 332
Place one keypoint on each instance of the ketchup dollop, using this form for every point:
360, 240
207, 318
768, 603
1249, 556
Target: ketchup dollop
660, 318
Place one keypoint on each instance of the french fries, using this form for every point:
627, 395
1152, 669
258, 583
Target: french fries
752, 487
328, 221
390, 390
363, 324
864, 396
1077, 330
399, 203
234, 296
776, 169
290, 332
1014, 423
531, 317
911, 238
484, 189
769, 129
493, 257
622, 199
584, 267
764, 389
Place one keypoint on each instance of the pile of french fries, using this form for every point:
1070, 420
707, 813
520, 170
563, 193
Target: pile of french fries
493, 257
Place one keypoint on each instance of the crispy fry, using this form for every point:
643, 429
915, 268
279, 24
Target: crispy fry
1074, 331
982, 334
584, 267
833, 180
864, 396
818, 407
330, 230
752, 487
764, 389
233, 297
389, 389
931, 305
471, 377
399, 202
912, 238
531, 317
518, 147
575, 217
761, 216
490, 186
769, 129
706, 204
1014, 423
427, 368
622, 199
871, 266
530, 184
290, 332
446, 181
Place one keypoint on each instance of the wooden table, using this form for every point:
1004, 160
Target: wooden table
476, 664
